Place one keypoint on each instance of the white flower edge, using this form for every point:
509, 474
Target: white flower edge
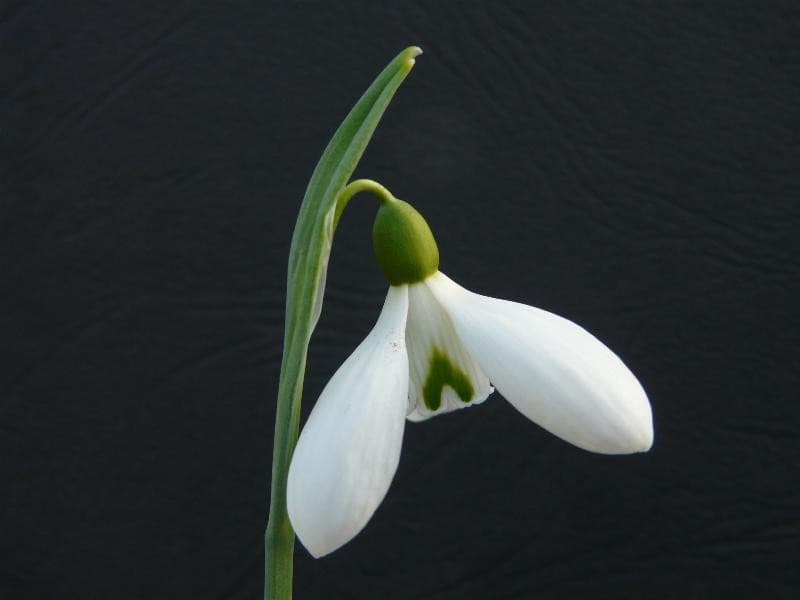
349, 449
551, 370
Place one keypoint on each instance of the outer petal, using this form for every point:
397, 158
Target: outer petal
349, 449
553, 371
443, 375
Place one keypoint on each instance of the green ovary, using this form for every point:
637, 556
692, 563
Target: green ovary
404, 246
442, 372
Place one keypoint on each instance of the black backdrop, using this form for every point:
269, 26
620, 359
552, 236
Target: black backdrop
632, 167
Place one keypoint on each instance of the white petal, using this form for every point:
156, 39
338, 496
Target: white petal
553, 371
349, 449
443, 375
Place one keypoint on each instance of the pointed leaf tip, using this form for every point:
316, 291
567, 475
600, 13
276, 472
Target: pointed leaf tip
411, 53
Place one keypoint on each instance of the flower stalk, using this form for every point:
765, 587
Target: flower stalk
320, 211
357, 187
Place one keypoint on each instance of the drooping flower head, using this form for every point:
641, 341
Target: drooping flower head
435, 348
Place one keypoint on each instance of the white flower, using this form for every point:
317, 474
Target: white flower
436, 348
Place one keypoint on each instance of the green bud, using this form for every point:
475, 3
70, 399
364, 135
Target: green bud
404, 246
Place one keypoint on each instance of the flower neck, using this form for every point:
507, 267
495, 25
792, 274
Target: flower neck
404, 245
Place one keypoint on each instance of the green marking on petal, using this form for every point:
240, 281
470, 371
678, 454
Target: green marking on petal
442, 372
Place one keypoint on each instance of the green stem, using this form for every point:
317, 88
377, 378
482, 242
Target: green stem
308, 259
356, 187
279, 535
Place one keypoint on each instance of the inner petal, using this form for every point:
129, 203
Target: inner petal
443, 376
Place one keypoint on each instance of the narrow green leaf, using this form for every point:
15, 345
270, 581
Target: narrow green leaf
308, 264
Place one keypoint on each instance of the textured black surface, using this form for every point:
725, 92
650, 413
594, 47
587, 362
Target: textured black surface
634, 168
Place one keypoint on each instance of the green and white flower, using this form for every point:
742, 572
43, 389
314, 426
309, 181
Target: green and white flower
435, 348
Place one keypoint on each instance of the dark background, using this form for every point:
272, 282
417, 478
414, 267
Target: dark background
635, 168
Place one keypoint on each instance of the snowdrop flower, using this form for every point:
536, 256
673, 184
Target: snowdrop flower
435, 348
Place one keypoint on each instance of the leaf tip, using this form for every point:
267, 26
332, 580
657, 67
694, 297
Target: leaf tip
411, 53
